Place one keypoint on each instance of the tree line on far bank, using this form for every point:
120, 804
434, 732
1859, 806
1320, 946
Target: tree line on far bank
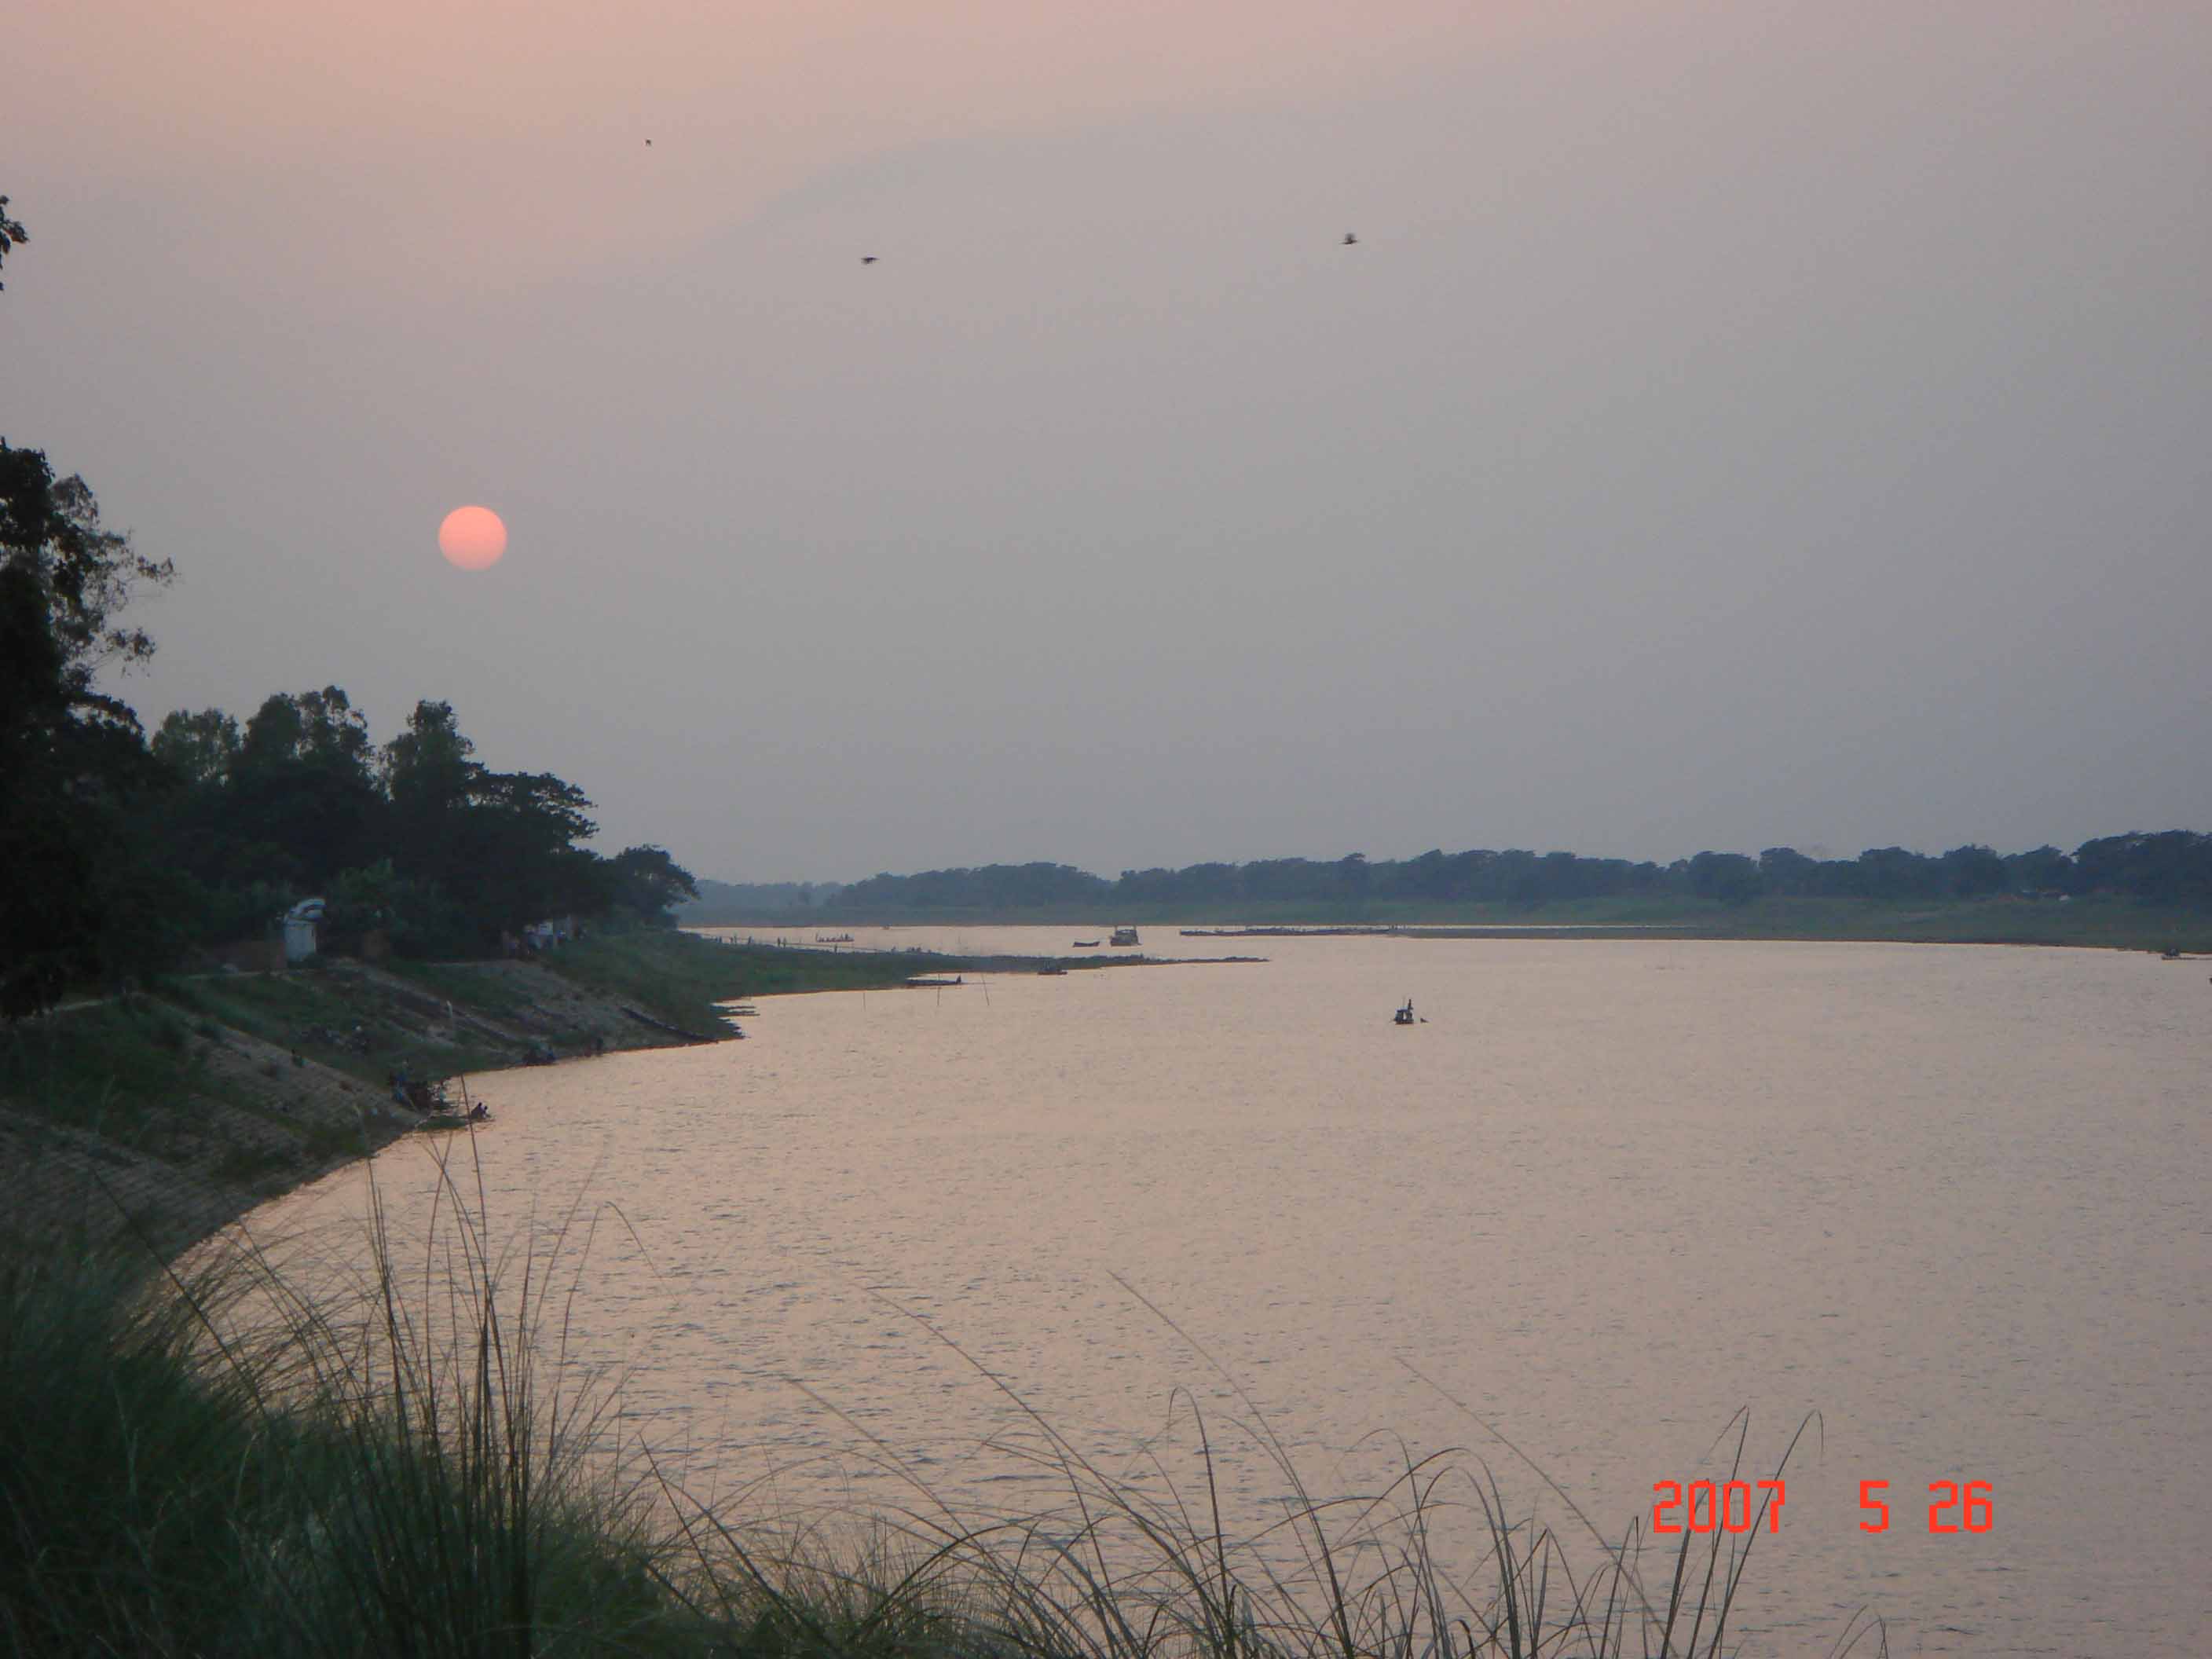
2170, 868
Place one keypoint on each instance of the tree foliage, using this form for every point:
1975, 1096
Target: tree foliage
416, 839
2172, 868
650, 884
12, 233
199, 747
51, 533
81, 893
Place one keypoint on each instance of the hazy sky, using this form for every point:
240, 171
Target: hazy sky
1738, 423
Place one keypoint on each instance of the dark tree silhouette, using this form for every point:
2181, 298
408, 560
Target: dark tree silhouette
12, 233
80, 890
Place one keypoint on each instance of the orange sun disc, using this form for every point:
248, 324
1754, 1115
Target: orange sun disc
472, 537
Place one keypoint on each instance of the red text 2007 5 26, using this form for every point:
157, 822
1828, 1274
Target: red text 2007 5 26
1731, 1506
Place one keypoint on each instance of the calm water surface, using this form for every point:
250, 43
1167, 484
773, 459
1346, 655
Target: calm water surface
1952, 1197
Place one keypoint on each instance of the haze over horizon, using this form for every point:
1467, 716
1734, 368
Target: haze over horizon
1736, 425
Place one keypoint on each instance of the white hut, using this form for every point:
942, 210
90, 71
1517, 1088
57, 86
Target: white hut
301, 922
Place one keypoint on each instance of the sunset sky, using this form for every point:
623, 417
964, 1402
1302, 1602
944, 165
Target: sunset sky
1738, 424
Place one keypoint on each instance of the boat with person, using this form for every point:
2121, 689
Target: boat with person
478, 1113
1405, 1015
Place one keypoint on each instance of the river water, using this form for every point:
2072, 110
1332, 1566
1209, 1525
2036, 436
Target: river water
1609, 1193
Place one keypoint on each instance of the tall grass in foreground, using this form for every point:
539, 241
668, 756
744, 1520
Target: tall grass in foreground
211, 1461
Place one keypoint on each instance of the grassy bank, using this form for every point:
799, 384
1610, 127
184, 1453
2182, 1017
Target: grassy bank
351, 1477
680, 977
175, 1110
140, 1114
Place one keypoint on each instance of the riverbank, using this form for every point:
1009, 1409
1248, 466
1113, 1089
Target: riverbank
328, 1476
2095, 923
163, 1115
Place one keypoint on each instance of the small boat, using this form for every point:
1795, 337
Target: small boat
1123, 936
1088, 944
1044, 973
438, 1121
1405, 1015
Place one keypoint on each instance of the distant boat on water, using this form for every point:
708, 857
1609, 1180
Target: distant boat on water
1405, 1015
1088, 943
1123, 936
